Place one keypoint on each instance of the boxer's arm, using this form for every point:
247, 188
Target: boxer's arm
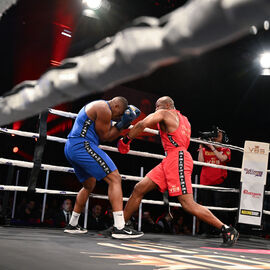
150, 121
103, 127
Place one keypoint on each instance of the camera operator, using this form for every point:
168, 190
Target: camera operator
213, 177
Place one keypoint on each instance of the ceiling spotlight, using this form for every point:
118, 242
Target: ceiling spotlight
93, 4
253, 30
265, 60
266, 25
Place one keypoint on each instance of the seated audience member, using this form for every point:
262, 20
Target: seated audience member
180, 227
108, 218
165, 222
95, 219
28, 214
148, 224
63, 216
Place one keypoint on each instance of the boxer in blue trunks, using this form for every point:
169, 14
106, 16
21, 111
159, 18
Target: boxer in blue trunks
92, 125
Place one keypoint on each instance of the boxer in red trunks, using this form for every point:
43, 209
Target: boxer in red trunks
174, 172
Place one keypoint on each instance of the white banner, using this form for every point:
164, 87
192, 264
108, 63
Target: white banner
253, 178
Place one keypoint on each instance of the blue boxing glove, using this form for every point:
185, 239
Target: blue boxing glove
130, 114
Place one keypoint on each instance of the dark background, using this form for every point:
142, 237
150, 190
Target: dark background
223, 87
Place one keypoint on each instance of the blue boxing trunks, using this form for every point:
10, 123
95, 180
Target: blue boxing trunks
82, 150
88, 160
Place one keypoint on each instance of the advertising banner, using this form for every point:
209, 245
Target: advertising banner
253, 180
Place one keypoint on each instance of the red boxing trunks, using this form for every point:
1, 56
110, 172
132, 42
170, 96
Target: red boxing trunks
174, 173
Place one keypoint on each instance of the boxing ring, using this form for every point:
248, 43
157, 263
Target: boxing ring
48, 168
153, 251
182, 34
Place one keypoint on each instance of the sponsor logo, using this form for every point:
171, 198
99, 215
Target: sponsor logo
253, 172
174, 189
128, 232
209, 153
250, 213
257, 150
253, 194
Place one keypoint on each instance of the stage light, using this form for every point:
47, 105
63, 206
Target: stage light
15, 149
266, 25
253, 30
93, 4
265, 60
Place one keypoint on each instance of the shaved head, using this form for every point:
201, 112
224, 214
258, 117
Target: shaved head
165, 103
121, 101
118, 105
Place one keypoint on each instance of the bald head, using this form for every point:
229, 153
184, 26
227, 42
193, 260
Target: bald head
118, 105
165, 103
121, 102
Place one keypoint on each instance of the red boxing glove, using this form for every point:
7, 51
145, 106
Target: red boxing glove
124, 145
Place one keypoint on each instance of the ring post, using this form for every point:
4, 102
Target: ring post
195, 199
45, 196
38, 153
140, 208
6, 195
86, 214
15, 194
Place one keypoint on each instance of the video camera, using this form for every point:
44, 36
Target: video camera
207, 135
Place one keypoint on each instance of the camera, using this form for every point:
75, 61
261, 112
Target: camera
208, 135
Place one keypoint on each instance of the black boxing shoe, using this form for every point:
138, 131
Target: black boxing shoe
106, 232
75, 229
126, 233
230, 235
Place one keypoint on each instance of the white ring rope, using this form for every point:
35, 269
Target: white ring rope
31, 135
152, 131
114, 149
74, 115
27, 164
104, 197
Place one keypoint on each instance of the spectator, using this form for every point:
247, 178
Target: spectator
148, 224
28, 214
213, 177
108, 218
180, 226
95, 219
166, 224
62, 217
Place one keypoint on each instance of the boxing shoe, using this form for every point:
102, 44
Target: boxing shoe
230, 235
75, 229
126, 233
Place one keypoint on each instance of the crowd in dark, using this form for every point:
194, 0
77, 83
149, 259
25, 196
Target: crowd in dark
58, 212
